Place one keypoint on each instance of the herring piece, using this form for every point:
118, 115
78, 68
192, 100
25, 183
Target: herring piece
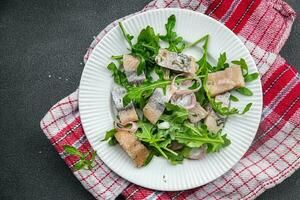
176, 61
133, 147
186, 100
212, 124
215, 121
156, 105
126, 114
197, 153
197, 113
223, 81
117, 94
131, 64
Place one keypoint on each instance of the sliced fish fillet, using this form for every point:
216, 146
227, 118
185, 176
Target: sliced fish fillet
176, 61
156, 104
197, 113
125, 114
133, 147
223, 81
131, 64
214, 121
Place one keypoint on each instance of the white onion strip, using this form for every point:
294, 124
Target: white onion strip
121, 127
176, 89
193, 102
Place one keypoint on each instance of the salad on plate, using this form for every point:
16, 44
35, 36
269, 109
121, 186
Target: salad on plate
170, 104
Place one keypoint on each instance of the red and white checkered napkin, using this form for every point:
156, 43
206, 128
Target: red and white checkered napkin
264, 26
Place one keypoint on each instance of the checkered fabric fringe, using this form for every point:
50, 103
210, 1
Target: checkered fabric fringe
263, 26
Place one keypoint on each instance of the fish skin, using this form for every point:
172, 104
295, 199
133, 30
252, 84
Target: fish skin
117, 94
128, 114
197, 113
156, 104
226, 80
130, 64
178, 62
215, 121
133, 147
125, 114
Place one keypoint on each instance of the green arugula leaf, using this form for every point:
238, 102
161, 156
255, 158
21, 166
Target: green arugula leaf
221, 65
126, 35
233, 98
142, 64
201, 96
84, 162
176, 114
242, 63
251, 77
225, 111
109, 134
176, 43
80, 165
175, 159
195, 136
119, 57
211, 148
149, 158
110, 137
244, 91
203, 64
146, 49
72, 150
119, 76
203, 38
247, 108
135, 94
112, 141
160, 72
148, 39
145, 134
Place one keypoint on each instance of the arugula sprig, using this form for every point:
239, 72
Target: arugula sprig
145, 49
110, 137
84, 162
222, 64
176, 43
204, 69
136, 94
174, 114
196, 136
119, 76
247, 77
180, 130
127, 36
145, 89
203, 64
146, 134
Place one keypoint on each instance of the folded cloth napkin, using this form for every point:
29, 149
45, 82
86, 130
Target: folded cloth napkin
263, 26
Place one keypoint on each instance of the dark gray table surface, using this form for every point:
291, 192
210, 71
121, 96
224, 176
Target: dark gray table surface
39, 39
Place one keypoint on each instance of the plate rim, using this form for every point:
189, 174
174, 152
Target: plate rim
136, 15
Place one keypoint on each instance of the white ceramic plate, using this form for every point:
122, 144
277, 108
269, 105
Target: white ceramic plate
97, 118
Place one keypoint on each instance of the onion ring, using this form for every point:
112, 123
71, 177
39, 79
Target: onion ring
193, 102
121, 127
185, 91
183, 101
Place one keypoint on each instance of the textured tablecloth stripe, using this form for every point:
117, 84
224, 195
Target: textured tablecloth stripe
264, 27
